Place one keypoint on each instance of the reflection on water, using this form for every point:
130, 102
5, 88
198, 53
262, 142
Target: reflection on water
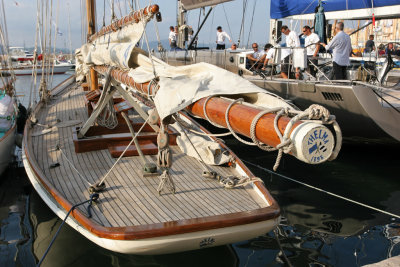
316, 229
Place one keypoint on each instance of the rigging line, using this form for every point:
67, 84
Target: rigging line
322, 190
227, 21
55, 43
147, 41
212, 23
242, 24
251, 23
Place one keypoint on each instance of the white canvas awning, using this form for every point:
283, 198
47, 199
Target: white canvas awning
193, 4
385, 12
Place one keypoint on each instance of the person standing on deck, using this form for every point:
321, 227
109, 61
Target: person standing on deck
292, 40
172, 37
312, 45
341, 47
221, 35
370, 45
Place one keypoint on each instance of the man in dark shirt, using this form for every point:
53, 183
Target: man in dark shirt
370, 45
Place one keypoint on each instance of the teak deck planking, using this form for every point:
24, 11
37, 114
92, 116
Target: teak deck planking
129, 199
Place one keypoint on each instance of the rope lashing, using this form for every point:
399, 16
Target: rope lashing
166, 181
231, 182
108, 117
93, 198
206, 116
189, 127
239, 100
164, 161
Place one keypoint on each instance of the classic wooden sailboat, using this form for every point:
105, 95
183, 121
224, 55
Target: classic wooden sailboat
107, 141
354, 102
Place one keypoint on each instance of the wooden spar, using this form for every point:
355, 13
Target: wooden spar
91, 18
241, 116
134, 17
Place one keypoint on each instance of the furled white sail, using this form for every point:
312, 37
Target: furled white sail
193, 4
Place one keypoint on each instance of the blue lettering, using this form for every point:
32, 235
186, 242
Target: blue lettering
315, 134
319, 136
325, 135
312, 149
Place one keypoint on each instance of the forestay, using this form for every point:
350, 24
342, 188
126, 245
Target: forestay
335, 9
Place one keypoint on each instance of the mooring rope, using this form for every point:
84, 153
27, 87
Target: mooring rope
322, 190
93, 197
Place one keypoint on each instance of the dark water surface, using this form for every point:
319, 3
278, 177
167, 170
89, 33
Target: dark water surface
316, 230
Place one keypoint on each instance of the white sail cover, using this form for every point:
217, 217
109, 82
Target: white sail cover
181, 86
112, 49
193, 4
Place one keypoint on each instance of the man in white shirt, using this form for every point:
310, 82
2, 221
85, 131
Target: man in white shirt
292, 40
312, 45
256, 58
341, 47
172, 37
221, 35
269, 51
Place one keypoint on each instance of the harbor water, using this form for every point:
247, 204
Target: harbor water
317, 228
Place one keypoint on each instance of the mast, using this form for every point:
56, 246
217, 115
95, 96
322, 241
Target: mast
91, 19
181, 22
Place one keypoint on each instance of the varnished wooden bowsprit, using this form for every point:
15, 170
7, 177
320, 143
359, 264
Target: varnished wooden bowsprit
313, 143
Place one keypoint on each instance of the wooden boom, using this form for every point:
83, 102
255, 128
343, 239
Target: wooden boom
313, 142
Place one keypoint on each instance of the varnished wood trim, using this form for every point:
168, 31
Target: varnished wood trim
150, 230
12, 130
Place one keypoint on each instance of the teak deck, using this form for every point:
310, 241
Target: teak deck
130, 199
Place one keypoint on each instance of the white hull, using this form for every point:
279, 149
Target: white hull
27, 70
157, 245
7, 144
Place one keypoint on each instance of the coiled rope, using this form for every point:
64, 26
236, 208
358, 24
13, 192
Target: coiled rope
314, 112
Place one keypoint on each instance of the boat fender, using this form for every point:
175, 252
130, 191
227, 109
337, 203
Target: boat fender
153, 117
162, 140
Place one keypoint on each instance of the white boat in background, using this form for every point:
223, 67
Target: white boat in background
364, 108
23, 64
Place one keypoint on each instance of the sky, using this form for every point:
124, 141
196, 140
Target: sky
21, 20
